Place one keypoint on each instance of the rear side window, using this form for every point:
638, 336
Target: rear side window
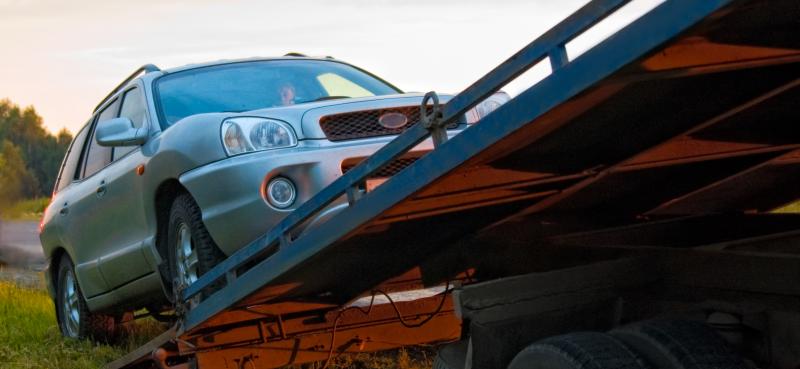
133, 109
99, 156
69, 169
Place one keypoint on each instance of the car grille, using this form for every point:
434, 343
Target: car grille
362, 124
388, 170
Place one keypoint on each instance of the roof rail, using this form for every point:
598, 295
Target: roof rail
147, 68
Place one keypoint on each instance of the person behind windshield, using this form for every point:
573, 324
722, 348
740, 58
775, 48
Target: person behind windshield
287, 94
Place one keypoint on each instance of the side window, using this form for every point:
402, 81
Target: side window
133, 108
99, 156
69, 168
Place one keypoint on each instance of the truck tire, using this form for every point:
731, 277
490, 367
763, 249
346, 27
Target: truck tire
582, 350
192, 252
679, 344
73, 316
452, 356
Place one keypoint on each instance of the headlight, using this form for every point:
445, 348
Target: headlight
486, 106
241, 135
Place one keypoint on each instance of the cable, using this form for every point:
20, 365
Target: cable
336, 325
369, 310
431, 316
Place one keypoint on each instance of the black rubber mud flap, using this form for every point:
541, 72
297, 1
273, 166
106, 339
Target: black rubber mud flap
452, 356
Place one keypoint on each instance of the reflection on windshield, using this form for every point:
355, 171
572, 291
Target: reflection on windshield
245, 86
287, 94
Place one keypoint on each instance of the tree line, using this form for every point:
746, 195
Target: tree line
30, 156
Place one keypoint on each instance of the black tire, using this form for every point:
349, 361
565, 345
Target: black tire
583, 350
679, 344
186, 212
452, 356
73, 316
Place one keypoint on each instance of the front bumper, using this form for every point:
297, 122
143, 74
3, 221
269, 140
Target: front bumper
230, 191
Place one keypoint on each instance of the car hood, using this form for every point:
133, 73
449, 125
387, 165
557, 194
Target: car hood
304, 118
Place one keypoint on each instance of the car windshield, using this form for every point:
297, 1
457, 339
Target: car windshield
245, 86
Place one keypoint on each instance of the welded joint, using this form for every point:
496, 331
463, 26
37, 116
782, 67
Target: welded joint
354, 193
281, 328
558, 57
246, 362
433, 121
284, 240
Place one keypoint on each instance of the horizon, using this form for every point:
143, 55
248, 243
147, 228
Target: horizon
73, 55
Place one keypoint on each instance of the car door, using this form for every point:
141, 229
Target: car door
82, 232
122, 204
60, 229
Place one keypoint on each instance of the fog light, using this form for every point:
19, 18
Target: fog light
281, 192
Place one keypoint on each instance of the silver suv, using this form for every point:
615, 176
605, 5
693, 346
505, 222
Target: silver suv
178, 168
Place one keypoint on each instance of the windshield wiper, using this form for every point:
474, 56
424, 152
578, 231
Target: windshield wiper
324, 98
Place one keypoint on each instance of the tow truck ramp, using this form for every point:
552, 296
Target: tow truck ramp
681, 127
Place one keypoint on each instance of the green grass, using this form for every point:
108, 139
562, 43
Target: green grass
29, 209
29, 338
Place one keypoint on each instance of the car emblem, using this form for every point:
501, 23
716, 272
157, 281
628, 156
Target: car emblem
393, 120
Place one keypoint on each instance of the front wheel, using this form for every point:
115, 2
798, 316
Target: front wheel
192, 252
74, 318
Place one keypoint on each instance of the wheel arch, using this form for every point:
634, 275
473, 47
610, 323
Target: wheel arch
53, 263
165, 194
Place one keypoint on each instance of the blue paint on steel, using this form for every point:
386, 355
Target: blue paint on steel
558, 57
531, 54
517, 64
661, 24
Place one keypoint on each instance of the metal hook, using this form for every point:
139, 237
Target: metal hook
433, 121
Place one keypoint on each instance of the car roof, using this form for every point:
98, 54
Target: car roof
244, 60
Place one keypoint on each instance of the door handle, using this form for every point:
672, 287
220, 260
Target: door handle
102, 189
64, 210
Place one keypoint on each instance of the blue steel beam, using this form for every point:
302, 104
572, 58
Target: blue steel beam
517, 64
555, 38
527, 57
645, 34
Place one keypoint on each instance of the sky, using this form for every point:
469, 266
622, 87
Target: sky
63, 57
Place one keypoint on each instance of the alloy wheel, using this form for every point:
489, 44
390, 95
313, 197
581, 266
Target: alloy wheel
186, 256
70, 306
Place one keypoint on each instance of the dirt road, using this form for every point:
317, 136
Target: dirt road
21, 256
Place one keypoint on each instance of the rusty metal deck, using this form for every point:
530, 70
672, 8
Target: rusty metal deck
705, 123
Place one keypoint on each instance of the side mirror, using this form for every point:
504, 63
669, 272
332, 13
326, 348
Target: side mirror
119, 132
